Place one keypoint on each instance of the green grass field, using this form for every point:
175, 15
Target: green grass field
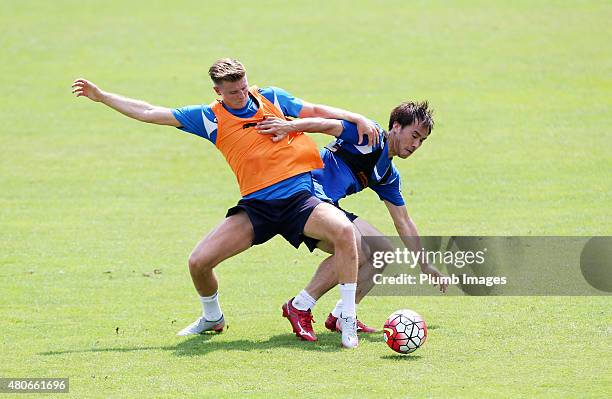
91, 203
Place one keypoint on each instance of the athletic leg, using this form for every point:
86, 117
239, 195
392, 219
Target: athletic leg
325, 278
229, 238
329, 224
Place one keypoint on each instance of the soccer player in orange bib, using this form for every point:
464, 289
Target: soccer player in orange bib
275, 183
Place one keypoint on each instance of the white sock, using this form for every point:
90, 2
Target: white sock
211, 310
337, 311
303, 301
347, 294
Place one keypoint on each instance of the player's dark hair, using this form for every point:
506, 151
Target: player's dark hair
407, 112
226, 69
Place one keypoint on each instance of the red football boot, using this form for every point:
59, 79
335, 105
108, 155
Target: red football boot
330, 324
301, 321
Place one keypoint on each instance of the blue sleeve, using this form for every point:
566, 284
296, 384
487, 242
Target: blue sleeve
392, 190
289, 105
197, 119
350, 134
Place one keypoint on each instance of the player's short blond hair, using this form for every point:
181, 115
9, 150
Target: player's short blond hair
226, 69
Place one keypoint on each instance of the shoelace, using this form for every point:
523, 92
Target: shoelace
352, 327
307, 318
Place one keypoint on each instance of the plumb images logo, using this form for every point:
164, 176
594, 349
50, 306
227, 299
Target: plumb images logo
457, 259
495, 265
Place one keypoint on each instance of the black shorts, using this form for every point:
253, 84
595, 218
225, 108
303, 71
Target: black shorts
286, 217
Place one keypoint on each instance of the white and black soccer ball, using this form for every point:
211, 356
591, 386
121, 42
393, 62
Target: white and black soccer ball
405, 331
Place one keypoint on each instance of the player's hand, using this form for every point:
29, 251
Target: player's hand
367, 128
434, 272
82, 87
276, 127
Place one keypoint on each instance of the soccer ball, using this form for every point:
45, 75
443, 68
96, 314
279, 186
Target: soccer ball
405, 331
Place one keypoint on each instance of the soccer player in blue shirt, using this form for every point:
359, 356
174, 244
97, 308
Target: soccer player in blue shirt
349, 169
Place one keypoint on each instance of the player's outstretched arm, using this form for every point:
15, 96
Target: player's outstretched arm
365, 127
407, 231
279, 128
135, 109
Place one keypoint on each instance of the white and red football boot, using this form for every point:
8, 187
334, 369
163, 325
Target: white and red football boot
301, 321
202, 325
330, 324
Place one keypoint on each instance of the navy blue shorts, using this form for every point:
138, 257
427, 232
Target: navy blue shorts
286, 217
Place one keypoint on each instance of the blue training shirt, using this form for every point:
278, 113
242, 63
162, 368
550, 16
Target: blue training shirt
336, 180
200, 120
